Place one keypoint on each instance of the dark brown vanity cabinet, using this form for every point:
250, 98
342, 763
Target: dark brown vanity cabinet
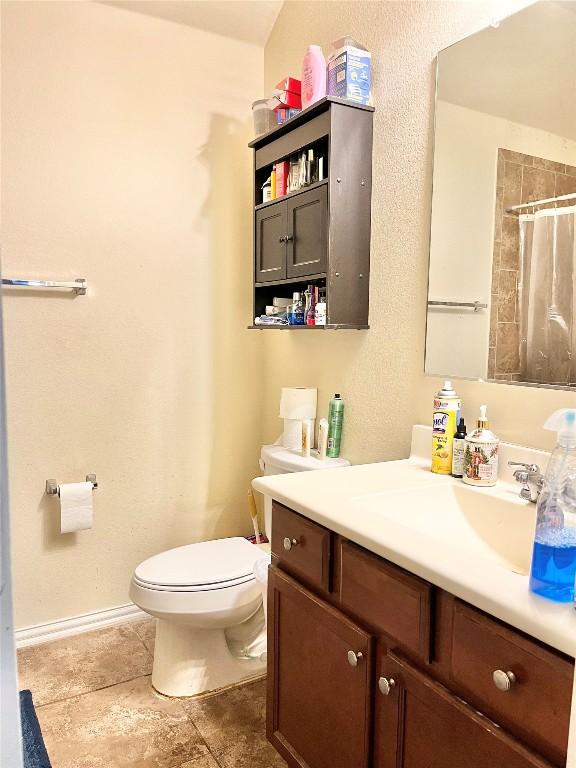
318, 234
421, 724
370, 666
292, 237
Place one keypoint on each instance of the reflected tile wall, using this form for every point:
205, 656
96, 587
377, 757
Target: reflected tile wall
520, 178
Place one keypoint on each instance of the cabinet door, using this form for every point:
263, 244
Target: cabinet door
271, 243
319, 673
420, 724
307, 233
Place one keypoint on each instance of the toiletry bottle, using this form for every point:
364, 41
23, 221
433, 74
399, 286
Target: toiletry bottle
322, 438
313, 76
444, 420
335, 419
298, 309
458, 446
481, 454
320, 311
553, 568
311, 311
267, 191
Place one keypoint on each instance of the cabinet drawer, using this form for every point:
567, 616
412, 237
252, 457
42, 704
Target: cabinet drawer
537, 705
387, 598
301, 547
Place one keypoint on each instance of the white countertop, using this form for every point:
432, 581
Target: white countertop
331, 498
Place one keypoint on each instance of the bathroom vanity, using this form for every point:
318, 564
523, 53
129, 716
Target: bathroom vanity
400, 636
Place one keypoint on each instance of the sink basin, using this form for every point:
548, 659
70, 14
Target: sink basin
483, 524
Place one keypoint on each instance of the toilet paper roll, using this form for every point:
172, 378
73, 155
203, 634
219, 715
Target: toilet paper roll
76, 507
292, 435
298, 402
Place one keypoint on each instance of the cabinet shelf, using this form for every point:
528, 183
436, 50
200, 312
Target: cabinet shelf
309, 327
319, 234
288, 195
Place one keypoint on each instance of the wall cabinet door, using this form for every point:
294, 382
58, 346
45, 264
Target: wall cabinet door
420, 724
319, 674
307, 246
271, 243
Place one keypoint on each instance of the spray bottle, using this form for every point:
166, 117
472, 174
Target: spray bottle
335, 419
554, 557
445, 417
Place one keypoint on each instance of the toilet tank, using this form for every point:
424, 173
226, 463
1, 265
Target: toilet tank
277, 460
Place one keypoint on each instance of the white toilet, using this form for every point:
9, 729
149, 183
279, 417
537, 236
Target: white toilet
211, 629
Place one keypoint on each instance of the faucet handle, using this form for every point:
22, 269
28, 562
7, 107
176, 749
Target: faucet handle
524, 465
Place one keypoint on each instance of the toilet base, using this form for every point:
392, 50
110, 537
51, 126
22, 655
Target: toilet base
189, 661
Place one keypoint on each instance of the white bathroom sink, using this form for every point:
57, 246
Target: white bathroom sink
485, 523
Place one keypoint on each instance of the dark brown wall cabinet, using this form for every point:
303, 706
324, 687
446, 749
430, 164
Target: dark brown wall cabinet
321, 233
372, 667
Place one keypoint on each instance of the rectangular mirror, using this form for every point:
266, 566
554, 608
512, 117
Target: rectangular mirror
502, 282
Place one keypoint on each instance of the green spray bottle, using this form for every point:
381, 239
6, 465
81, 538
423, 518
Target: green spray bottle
335, 419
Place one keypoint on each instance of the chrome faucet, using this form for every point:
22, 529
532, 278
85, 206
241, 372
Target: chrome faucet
531, 478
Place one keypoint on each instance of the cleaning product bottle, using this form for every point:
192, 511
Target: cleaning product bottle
554, 556
335, 419
298, 309
481, 454
445, 417
313, 76
458, 447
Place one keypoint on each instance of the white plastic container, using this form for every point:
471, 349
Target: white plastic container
313, 76
264, 118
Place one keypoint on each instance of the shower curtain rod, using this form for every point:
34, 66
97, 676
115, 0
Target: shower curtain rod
541, 202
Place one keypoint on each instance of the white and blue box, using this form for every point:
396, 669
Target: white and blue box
349, 71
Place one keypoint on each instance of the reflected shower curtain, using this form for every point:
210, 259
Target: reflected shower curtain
546, 296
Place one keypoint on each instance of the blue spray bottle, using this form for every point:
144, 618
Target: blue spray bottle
553, 569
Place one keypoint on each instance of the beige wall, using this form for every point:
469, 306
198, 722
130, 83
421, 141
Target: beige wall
380, 372
125, 162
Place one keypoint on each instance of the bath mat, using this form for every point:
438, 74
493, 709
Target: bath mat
35, 755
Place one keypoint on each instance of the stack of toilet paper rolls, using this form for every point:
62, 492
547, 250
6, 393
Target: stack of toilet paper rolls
296, 405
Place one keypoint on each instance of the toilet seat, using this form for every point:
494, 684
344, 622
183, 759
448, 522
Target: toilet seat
205, 566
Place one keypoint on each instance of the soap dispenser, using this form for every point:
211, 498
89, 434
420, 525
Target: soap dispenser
553, 568
481, 454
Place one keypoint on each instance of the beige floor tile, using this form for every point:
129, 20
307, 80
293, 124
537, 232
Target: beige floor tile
75, 665
146, 631
124, 725
258, 756
206, 761
233, 725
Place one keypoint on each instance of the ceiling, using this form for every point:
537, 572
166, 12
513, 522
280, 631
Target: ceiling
523, 71
247, 20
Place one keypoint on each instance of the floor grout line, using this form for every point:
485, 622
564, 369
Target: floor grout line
93, 690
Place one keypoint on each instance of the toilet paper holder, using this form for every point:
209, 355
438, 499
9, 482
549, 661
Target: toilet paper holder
53, 489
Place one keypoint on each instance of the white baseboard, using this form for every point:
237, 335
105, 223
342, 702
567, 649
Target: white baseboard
75, 625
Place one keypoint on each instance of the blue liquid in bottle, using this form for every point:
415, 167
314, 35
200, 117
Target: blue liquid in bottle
554, 564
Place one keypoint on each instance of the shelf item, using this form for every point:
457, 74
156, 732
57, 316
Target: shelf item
319, 234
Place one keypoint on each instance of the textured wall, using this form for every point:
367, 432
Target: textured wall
120, 133
380, 372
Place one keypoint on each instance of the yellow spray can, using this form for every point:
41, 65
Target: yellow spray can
447, 407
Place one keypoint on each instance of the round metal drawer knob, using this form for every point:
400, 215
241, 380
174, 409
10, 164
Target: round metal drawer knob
289, 543
503, 680
354, 657
386, 684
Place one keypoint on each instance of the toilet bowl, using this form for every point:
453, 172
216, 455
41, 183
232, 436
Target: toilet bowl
209, 611
208, 602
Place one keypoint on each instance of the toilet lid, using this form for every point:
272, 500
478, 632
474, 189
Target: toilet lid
208, 562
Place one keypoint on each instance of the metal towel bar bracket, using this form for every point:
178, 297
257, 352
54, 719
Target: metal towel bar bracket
79, 286
53, 489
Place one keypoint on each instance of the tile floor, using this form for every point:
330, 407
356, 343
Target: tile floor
97, 708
